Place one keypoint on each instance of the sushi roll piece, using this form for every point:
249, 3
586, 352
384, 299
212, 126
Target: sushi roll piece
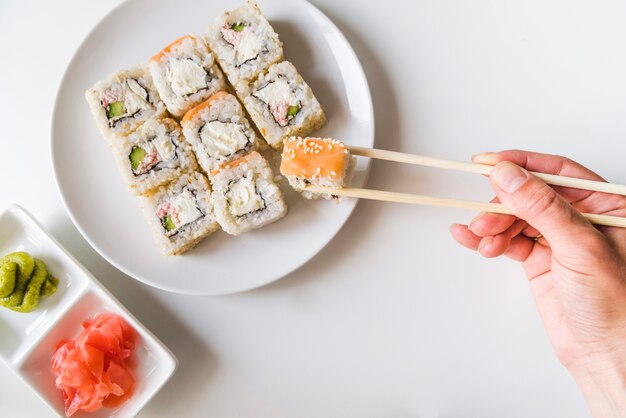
219, 131
154, 155
185, 74
281, 104
244, 42
321, 162
181, 214
245, 196
122, 102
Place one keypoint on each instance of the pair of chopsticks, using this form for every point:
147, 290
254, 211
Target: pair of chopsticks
467, 204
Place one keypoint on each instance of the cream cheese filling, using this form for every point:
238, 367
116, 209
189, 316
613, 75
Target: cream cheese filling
223, 138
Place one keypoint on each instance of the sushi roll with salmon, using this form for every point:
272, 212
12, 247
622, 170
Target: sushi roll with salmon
154, 155
185, 74
123, 101
181, 214
219, 131
245, 196
321, 162
244, 42
281, 104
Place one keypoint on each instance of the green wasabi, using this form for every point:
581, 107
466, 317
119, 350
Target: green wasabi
24, 280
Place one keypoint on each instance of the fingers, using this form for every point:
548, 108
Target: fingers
542, 207
465, 237
534, 161
487, 224
544, 163
497, 245
514, 246
520, 248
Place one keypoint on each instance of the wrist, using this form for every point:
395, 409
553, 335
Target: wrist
602, 381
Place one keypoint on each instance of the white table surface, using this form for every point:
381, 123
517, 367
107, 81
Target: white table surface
392, 319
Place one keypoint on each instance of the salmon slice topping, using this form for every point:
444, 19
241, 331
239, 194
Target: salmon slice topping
311, 158
168, 48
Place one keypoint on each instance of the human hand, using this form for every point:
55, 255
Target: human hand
577, 272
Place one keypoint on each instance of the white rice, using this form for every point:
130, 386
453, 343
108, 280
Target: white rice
212, 148
163, 139
187, 236
309, 118
127, 86
257, 172
251, 50
186, 75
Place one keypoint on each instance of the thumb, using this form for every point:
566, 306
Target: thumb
541, 206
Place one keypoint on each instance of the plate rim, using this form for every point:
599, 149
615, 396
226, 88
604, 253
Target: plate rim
53, 127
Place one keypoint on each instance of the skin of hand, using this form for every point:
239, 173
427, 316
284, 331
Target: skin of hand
576, 272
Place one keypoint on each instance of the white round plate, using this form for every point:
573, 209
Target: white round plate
109, 216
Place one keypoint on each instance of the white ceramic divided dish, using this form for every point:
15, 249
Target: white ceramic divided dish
28, 340
110, 218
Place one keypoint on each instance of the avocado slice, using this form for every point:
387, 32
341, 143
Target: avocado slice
238, 27
167, 223
293, 110
136, 156
115, 109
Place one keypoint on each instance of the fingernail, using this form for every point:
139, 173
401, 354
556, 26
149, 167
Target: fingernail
484, 243
485, 158
471, 224
508, 176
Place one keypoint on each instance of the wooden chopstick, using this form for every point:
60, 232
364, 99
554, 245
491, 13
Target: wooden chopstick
448, 203
552, 179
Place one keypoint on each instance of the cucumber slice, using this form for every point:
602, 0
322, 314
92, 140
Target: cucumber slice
115, 109
237, 27
167, 223
136, 156
293, 110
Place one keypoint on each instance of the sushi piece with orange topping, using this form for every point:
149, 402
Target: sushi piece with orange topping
185, 73
219, 131
324, 162
245, 196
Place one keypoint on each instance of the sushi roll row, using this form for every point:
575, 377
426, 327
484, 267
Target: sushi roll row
186, 73
279, 101
184, 143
